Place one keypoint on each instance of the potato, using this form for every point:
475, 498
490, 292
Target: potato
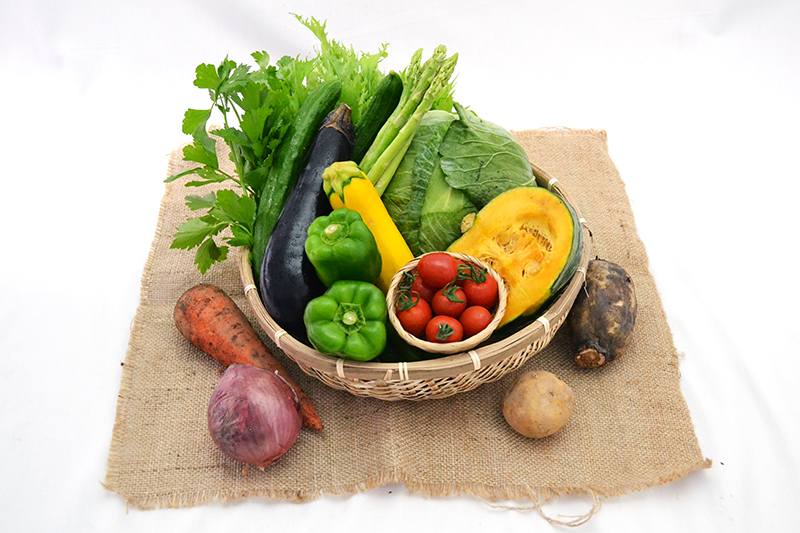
538, 404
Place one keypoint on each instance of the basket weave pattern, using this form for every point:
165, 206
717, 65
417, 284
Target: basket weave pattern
423, 389
435, 378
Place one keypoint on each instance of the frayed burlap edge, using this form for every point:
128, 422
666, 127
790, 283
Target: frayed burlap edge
563, 131
536, 497
111, 482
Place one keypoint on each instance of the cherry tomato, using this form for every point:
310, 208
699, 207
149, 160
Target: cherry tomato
437, 269
423, 290
450, 301
483, 294
414, 317
444, 329
474, 319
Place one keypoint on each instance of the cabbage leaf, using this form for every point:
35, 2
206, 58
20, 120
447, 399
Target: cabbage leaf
406, 193
454, 166
483, 159
442, 212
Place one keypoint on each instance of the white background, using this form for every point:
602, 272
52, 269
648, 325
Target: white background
700, 102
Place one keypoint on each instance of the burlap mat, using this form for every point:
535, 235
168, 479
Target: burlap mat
630, 429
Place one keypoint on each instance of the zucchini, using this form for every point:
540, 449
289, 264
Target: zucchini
378, 110
286, 165
288, 280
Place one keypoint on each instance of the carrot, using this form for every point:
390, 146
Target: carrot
208, 318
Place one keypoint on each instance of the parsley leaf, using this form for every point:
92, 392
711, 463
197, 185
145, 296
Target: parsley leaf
234, 206
180, 175
192, 233
257, 106
206, 76
261, 58
208, 254
194, 121
207, 175
199, 152
241, 236
195, 202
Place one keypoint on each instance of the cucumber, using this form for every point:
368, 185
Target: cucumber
286, 165
378, 110
288, 280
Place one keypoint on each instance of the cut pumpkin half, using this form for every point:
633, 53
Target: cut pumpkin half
532, 238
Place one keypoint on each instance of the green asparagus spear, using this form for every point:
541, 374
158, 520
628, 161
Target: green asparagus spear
418, 81
382, 171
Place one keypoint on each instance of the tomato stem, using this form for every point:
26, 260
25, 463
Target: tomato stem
444, 332
450, 291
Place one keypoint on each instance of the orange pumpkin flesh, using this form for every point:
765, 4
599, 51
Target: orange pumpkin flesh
526, 235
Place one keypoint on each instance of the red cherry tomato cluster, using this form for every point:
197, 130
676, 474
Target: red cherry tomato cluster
447, 300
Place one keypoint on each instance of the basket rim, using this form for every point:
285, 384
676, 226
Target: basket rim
447, 366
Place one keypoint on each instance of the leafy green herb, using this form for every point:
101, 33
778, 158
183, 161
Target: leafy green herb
257, 104
225, 209
359, 73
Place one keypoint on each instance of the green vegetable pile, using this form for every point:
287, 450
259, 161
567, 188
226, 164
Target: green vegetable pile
342, 174
456, 164
261, 109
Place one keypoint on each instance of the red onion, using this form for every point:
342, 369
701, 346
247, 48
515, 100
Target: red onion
253, 415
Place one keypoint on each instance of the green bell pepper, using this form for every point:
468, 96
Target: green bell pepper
341, 246
349, 320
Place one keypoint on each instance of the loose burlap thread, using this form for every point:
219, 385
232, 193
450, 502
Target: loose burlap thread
630, 429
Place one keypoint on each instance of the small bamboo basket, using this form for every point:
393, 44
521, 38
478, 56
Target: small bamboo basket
498, 310
435, 378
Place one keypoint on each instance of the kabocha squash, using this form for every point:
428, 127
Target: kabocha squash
532, 238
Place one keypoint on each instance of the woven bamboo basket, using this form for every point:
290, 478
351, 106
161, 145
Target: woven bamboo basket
435, 378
